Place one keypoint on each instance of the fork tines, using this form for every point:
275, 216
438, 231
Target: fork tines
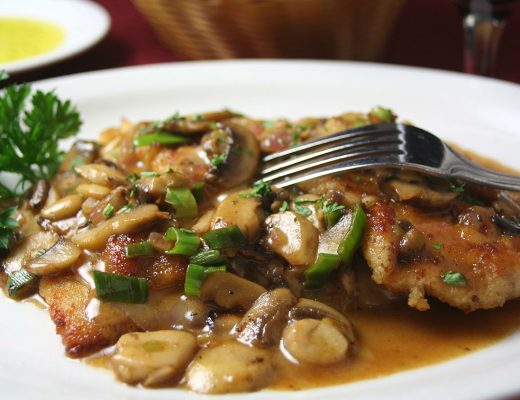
341, 152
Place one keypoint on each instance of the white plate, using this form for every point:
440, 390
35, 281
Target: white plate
481, 114
85, 23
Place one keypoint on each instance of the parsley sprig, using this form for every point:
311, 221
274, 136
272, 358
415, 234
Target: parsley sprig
30, 135
7, 224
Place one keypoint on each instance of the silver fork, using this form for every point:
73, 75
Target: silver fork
382, 145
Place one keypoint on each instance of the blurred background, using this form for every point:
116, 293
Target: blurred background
425, 33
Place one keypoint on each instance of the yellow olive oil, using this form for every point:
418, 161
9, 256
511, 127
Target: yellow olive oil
22, 38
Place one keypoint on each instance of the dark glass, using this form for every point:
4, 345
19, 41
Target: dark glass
483, 23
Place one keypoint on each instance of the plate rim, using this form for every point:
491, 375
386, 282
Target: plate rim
330, 390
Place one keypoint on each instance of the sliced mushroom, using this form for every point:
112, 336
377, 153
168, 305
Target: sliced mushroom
166, 310
230, 291
315, 341
92, 190
65, 207
28, 248
218, 144
82, 152
244, 212
134, 220
95, 210
153, 358
60, 257
230, 367
312, 203
419, 194
101, 174
196, 123
293, 237
411, 244
39, 194
306, 308
239, 165
151, 188
262, 325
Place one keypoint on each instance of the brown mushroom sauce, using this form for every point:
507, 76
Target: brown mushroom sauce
254, 323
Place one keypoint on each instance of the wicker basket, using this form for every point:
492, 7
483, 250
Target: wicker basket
208, 29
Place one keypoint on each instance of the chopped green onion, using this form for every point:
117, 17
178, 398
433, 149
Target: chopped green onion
195, 275
198, 190
120, 289
224, 238
186, 242
161, 138
454, 279
20, 283
208, 257
139, 249
304, 201
183, 202
284, 207
352, 239
109, 211
317, 275
147, 174
126, 208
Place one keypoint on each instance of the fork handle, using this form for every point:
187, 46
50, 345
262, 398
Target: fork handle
469, 171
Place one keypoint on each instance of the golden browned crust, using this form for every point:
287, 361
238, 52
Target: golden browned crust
83, 332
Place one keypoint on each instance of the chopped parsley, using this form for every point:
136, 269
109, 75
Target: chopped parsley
218, 160
453, 278
437, 246
30, 135
259, 190
197, 117
7, 224
332, 206
384, 114
457, 186
303, 211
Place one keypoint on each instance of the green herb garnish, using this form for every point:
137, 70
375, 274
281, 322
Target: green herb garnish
453, 278
120, 289
259, 190
30, 135
109, 211
437, 246
218, 160
303, 211
284, 207
7, 224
